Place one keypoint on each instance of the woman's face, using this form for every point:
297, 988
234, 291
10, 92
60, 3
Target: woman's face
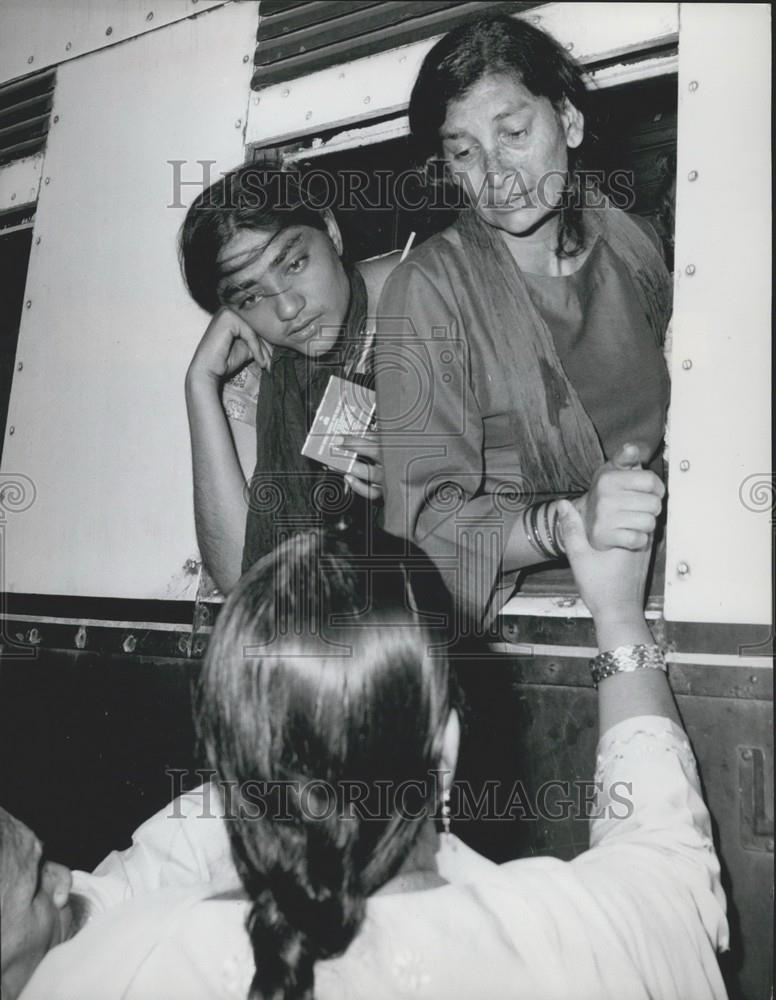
289, 286
509, 151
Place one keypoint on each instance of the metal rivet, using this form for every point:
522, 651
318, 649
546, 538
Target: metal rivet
257, 99
285, 92
569, 46
402, 59
238, 123
68, 46
367, 100
37, 240
246, 59
30, 59
308, 115
687, 364
28, 304
129, 644
693, 86
19, 366
150, 16
536, 19
13, 196
47, 180
684, 465
682, 568
690, 270
56, 119
11, 429
693, 175
109, 30
746, 753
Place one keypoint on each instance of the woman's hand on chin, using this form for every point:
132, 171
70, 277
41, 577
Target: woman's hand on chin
621, 508
227, 345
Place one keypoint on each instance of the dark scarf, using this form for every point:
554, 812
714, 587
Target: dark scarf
288, 491
560, 449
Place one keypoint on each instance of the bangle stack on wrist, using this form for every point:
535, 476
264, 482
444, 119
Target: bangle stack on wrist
626, 659
541, 530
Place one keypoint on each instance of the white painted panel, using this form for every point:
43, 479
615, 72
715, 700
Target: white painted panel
36, 34
721, 504
609, 76
381, 84
19, 182
98, 410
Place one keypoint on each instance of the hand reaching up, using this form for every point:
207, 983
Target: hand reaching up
611, 582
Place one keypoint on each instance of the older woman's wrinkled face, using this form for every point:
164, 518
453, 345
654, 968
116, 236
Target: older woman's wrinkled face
508, 149
290, 286
34, 899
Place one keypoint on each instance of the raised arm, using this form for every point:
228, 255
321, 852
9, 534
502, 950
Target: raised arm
653, 863
219, 480
611, 584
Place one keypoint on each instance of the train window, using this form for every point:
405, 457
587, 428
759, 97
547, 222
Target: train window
380, 197
660, 90
368, 176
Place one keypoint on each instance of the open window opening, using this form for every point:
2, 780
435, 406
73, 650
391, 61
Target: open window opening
368, 175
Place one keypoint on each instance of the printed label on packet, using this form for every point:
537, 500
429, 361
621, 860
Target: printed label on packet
346, 408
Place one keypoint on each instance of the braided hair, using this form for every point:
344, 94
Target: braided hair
322, 685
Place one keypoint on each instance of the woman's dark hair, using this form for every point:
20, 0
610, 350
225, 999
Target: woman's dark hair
499, 44
251, 197
323, 681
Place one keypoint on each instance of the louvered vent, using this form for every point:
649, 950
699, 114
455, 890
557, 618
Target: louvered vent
25, 108
297, 37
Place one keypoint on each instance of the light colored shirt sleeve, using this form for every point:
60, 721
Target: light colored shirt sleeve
636, 917
184, 844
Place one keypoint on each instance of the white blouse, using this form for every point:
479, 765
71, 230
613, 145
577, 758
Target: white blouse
639, 915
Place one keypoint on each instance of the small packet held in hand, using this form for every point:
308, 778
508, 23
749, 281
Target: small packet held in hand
346, 408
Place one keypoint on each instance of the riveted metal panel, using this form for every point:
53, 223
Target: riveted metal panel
97, 420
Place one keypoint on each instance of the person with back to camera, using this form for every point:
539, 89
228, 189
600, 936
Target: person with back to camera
329, 679
519, 351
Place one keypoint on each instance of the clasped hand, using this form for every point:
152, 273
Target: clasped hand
621, 508
608, 535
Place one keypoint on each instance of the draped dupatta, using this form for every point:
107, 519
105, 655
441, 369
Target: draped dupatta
287, 489
559, 447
